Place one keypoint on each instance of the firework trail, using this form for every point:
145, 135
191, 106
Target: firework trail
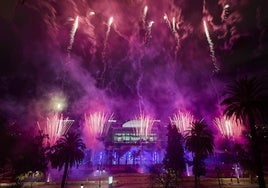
176, 35
72, 34
148, 34
55, 127
167, 21
145, 126
226, 11
172, 26
145, 10
110, 21
230, 128
183, 121
147, 26
211, 47
116, 30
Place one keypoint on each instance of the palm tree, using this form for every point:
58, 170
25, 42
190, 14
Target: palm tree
199, 140
68, 151
246, 99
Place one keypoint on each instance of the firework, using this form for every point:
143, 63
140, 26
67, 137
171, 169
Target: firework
167, 21
55, 127
72, 34
229, 127
97, 124
145, 10
58, 102
176, 35
226, 12
182, 121
211, 46
173, 24
91, 13
145, 126
148, 33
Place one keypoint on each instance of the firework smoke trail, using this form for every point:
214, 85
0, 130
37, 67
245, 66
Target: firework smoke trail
111, 19
183, 121
176, 35
56, 126
141, 103
229, 127
211, 47
72, 33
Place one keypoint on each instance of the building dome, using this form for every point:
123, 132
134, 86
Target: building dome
132, 124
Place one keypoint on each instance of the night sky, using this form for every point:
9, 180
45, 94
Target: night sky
132, 64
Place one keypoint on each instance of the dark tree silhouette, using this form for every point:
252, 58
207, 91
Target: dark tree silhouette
173, 166
199, 140
67, 152
29, 157
174, 157
7, 141
247, 100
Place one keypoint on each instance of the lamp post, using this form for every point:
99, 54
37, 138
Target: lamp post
100, 175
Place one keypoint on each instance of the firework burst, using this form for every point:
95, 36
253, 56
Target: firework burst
230, 128
55, 127
97, 124
182, 121
144, 127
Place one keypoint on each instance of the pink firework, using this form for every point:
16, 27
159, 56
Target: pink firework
183, 121
229, 127
97, 124
55, 127
144, 127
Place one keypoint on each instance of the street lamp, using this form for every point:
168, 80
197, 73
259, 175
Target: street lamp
100, 175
